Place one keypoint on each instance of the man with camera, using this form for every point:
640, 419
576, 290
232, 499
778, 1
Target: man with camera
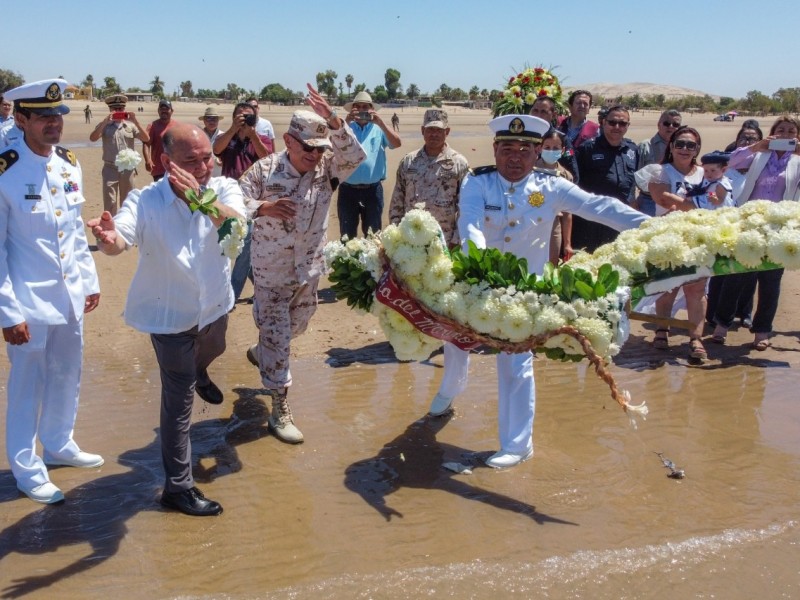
240, 146
119, 131
361, 196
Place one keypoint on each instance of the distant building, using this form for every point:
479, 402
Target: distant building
139, 96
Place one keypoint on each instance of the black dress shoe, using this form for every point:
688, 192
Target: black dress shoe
747, 322
209, 392
191, 502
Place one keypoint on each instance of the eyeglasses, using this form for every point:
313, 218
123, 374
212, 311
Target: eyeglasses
681, 144
310, 149
748, 140
671, 124
615, 123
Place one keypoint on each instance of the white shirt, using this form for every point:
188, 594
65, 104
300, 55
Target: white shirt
264, 127
182, 279
519, 221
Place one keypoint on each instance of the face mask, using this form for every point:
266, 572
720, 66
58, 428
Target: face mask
551, 156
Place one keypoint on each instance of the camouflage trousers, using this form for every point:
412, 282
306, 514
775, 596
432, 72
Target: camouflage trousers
281, 313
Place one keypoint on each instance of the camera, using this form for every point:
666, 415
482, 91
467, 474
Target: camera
365, 115
783, 145
119, 115
250, 120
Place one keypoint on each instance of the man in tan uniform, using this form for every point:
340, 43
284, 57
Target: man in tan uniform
119, 130
288, 195
431, 175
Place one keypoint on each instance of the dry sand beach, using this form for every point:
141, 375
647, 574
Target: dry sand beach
363, 509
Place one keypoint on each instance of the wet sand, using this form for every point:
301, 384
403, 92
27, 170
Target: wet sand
363, 509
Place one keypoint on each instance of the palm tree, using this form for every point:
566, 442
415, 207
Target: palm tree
412, 91
349, 81
157, 86
186, 89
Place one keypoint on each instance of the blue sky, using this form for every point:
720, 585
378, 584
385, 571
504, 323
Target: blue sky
723, 48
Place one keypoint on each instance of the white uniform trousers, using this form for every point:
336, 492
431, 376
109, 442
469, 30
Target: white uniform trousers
516, 392
43, 387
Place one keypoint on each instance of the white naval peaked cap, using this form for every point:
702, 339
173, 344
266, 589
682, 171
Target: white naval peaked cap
521, 128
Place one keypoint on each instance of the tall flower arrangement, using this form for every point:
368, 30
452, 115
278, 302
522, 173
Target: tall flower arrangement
522, 89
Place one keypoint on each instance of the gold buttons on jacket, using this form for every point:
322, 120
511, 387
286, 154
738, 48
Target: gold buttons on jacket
58, 213
63, 254
60, 234
508, 238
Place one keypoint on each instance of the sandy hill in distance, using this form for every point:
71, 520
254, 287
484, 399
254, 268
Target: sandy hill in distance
615, 90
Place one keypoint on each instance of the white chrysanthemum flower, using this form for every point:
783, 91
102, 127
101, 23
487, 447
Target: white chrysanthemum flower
390, 238
395, 320
750, 248
548, 319
406, 346
783, 248
409, 260
484, 315
566, 342
453, 305
332, 251
724, 239
598, 331
632, 254
127, 160
667, 250
419, 227
438, 276
567, 310
516, 324
233, 243
370, 260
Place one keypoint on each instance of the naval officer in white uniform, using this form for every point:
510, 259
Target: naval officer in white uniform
512, 207
47, 282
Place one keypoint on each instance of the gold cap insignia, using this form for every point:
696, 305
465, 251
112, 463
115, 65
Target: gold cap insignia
516, 126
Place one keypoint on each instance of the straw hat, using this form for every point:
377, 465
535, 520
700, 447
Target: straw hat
362, 96
211, 111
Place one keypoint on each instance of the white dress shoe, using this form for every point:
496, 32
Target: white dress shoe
504, 460
440, 405
47, 493
82, 460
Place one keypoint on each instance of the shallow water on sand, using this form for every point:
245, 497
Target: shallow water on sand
363, 509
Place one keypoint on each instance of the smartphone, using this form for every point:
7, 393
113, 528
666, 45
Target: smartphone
783, 145
365, 116
119, 115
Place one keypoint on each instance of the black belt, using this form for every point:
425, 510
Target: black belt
362, 186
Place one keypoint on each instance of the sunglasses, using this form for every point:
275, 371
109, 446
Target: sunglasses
670, 124
615, 123
681, 144
310, 149
748, 139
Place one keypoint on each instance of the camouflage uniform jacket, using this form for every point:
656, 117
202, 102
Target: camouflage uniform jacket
289, 252
435, 181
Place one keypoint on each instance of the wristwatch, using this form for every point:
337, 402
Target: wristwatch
331, 116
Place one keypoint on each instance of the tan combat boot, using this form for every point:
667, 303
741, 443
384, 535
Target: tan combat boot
280, 419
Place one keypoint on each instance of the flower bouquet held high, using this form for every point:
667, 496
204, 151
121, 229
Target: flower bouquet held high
233, 230
481, 297
522, 90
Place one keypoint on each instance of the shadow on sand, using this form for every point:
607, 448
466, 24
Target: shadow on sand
414, 459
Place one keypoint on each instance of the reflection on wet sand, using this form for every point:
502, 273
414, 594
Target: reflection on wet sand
301, 521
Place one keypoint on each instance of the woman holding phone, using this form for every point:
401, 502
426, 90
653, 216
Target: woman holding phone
773, 174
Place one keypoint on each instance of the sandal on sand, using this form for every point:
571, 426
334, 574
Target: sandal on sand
761, 345
661, 341
719, 335
697, 350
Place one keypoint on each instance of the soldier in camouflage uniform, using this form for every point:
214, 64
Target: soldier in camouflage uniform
288, 195
431, 175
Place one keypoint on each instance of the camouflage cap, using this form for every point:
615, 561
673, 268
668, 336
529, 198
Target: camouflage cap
435, 117
309, 128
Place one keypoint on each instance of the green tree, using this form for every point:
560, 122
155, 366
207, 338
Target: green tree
9, 80
787, 99
457, 94
474, 92
111, 86
275, 92
88, 81
444, 91
380, 94
392, 80
186, 89
360, 87
756, 102
326, 83
206, 93
413, 91
157, 86
233, 92
348, 79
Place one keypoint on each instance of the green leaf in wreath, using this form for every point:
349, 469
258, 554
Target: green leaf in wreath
584, 290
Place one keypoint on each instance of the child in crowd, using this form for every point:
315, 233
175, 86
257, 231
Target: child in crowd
716, 185
561, 237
